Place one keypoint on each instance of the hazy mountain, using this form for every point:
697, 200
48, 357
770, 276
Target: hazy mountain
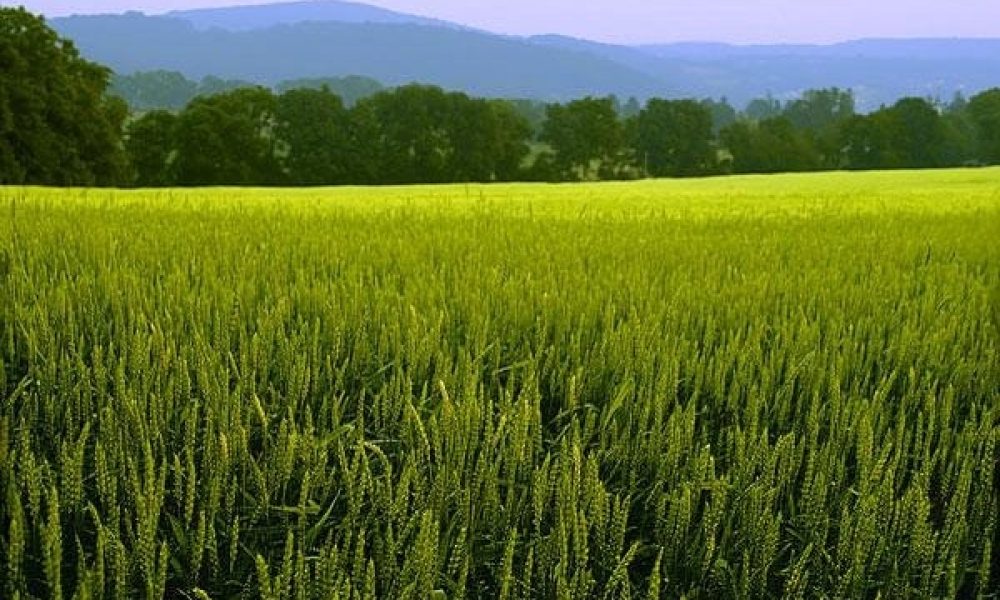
933, 48
879, 71
393, 54
244, 18
325, 38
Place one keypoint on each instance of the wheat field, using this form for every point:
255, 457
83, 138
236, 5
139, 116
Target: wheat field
747, 387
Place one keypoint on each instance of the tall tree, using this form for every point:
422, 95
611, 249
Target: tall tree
866, 142
405, 134
512, 134
819, 114
960, 133
771, 146
917, 133
984, 111
57, 125
489, 140
422, 134
472, 133
674, 138
228, 139
586, 137
151, 146
313, 129
910, 134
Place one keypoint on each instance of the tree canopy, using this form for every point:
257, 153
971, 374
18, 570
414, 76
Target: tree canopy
57, 125
585, 135
984, 111
675, 138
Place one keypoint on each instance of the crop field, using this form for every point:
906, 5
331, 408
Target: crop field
749, 387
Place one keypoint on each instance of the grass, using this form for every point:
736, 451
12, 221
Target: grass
748, 387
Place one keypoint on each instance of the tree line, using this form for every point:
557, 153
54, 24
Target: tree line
59, 125
423, 134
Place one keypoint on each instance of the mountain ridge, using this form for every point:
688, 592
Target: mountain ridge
391, 53
261, 16
331, 38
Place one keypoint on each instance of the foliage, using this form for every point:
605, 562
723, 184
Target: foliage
675, 138
909, 134
426, 135
228, 138
586, 136
770, 146
315, 129
151, 142
735, 388
984, 111
56, 124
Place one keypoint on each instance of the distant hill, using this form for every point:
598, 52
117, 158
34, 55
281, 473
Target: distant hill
170, 90
327, 39
931, 48
879, 71
246, 18
476, 62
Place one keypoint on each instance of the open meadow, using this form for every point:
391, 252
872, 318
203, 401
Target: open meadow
745, 387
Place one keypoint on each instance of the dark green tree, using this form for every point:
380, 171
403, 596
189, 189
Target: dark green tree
228, 139
910, 134
150, 143
57, 124
960, 134
404, 134
313, 129
474, 138
984, 113
422, 134
865, 139
771, 146
916, 133
819, 114
674, 138
586, 137
513, 133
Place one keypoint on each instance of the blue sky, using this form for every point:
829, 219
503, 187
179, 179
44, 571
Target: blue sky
641, 21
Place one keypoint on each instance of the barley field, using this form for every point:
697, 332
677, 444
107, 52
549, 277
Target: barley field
749, 387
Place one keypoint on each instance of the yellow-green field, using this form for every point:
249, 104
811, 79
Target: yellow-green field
751, 387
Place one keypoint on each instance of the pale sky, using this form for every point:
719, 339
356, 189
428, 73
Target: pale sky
650, 21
